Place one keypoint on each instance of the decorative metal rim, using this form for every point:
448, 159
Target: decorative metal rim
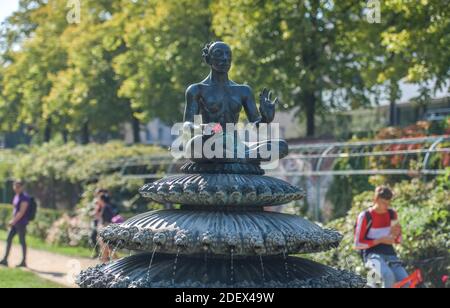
197, 232
179, 272
222, 168
219, 190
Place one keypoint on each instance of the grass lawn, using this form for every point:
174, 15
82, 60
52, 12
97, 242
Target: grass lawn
16, 278
36, 243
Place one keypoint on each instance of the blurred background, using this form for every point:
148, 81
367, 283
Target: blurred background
89, 90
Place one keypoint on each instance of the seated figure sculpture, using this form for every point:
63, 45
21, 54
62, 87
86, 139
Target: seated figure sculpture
222, 214
219, 101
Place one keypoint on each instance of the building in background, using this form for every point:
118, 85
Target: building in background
155, 132
13, 139
365, 121
332, 126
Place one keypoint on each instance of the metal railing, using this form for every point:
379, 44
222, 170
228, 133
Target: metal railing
313, 161
323, 151
315, 156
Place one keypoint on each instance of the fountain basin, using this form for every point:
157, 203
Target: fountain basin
197, 232
292, 272
222, 168
220, 190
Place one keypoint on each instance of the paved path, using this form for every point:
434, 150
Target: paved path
57, 268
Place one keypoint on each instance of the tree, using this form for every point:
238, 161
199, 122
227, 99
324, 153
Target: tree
410, 44
130, 61
163, 42
124, 62
85, 94
295, 47
35, 28
419, 34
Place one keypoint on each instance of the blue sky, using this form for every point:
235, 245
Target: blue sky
7, 7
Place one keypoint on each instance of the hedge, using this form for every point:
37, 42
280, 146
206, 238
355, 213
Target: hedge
58, 175
39, 227
424, 213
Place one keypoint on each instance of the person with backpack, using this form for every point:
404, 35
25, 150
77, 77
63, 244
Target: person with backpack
376, 232
24, 211
93, 237
105, 215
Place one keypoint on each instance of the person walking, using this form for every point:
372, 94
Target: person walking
104, 214
377, 231
18, 225
93, 237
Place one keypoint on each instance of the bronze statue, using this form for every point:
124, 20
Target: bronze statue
221, 236
220, 100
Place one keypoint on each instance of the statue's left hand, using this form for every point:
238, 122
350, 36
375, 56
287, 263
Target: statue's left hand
267, 106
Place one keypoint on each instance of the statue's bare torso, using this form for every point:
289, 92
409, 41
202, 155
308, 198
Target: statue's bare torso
218, 103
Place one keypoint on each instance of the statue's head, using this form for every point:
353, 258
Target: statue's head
218, 55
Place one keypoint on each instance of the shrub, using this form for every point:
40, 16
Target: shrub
70, 231
65, 176
57, 175
345, 187
39, 227
44, 220
6, 212
424, 212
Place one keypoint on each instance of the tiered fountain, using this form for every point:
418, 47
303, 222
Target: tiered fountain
221, 236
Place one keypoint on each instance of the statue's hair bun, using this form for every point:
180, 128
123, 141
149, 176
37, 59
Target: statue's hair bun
205, 51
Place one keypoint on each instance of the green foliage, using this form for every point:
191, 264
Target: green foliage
300, 49
419, 39
6, 163
37, 29
42, 244
163, 42
345, 187
6, 212
125, 60
16, 278
410, 44
38, 228
76, 163
129, 60
41, 225
424, 213
58, 174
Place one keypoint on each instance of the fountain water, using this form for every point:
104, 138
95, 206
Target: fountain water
232, 267
151, 262
222, 216
263, 275
258, 243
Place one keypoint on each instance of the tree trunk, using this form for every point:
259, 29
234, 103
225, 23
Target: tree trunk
392, 113
85, 133
136, 129
310, 109
65, 136
48, 130
394, 92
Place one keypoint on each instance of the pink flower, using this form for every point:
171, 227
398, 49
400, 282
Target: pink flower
217, 128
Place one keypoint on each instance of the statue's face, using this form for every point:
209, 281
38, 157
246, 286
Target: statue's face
220, 57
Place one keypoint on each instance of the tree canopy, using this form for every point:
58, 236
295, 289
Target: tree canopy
130, 61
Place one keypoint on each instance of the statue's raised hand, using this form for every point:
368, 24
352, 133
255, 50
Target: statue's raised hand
267, 106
